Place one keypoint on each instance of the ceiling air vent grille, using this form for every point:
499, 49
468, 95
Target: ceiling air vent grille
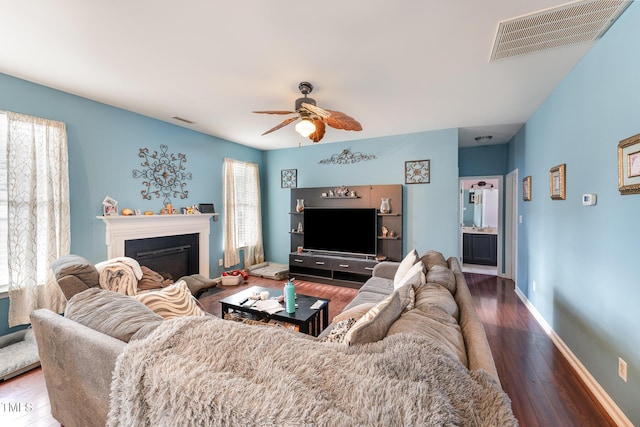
572, 23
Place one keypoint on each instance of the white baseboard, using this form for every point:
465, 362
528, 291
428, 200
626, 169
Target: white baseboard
599, 393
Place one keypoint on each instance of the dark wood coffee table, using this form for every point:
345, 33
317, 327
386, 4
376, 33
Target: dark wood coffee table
309, 321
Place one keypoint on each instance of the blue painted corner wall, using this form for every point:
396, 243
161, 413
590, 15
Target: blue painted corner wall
578, 264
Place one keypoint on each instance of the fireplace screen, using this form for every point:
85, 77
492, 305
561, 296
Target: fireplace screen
175, 255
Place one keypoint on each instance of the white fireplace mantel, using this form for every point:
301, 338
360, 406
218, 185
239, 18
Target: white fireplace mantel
121, 228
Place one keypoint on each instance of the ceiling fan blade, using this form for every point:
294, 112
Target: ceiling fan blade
275, 112
340, 120
283, 124
316, 110
319, 133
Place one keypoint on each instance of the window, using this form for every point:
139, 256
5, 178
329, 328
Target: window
242, 213
34, 212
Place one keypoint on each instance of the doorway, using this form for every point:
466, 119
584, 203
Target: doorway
481, 224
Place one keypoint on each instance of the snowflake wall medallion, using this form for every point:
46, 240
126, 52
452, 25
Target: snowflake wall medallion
288, 178
417, 172
164, 174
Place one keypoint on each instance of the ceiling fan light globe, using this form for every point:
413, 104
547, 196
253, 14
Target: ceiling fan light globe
305, 127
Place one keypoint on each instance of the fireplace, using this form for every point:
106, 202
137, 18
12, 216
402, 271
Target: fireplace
175, 255
122, 229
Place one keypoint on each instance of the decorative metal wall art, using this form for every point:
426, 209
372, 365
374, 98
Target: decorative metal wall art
417, 172
347, 158
288, 178
164, 174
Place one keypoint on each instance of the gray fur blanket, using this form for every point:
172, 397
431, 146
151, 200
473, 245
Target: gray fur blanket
210, 372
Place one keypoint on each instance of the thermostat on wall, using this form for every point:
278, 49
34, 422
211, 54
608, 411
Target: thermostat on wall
589, 199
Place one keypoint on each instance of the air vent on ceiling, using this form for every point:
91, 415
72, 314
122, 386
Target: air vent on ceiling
572, 23
183, 120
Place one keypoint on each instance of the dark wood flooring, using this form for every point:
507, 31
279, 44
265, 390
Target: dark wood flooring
543, 388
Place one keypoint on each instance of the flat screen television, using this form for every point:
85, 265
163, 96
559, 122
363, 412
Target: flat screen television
349, 230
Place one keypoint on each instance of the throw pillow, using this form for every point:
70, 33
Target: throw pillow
339, 331
373, 326
110, 313
173, 301
410, 276
407, 295
407, 262
355, 312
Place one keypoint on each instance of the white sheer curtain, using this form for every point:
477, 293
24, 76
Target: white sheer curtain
242, 213
38, 230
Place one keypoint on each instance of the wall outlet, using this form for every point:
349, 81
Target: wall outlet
534, 286
220, 262
622, 369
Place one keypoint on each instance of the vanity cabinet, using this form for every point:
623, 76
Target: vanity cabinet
480, 248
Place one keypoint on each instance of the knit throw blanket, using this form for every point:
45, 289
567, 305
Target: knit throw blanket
210, 372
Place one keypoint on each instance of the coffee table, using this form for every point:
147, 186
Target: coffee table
309, 321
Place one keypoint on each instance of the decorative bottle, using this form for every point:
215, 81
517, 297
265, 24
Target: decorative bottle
299, 205
385, 207
290, 297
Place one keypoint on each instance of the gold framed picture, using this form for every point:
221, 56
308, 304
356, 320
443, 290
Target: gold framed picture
557, 182
629, 165
526, 188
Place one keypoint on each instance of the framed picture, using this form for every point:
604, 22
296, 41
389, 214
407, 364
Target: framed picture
289, 178
557, 182
629, 165
526, 188
417, 172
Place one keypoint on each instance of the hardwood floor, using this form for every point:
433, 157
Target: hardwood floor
542, 386
544, 389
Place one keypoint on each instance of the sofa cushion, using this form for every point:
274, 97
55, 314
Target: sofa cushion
366, 297
442, 276
373, 326
173, 301
405, 265
377, 285
74, 274
436, 295
436, 324
431, 258
355, 312
110, 313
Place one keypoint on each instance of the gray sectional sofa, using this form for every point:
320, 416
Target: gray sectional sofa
79, 361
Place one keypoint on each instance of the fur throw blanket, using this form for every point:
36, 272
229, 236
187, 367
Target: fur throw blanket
210, 372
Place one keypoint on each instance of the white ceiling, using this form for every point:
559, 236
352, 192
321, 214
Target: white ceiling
397, 67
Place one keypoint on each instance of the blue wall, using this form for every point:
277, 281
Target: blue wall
485, 160
584, 260
104, 143
430, 210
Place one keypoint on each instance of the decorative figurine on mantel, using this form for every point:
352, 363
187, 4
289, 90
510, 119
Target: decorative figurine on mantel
385, 231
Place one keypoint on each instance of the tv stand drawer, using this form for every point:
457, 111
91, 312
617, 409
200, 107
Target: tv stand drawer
310, 261
353, 266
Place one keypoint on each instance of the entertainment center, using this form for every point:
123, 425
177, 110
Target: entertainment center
341, 234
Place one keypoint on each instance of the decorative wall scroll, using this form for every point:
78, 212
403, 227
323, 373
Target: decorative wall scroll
417, 172
289, 178
164, 174
346, 158
629, 165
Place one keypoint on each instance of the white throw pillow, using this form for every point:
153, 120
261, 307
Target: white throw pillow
416, 270
405, 265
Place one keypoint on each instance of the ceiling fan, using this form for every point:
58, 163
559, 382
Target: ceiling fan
313, 118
